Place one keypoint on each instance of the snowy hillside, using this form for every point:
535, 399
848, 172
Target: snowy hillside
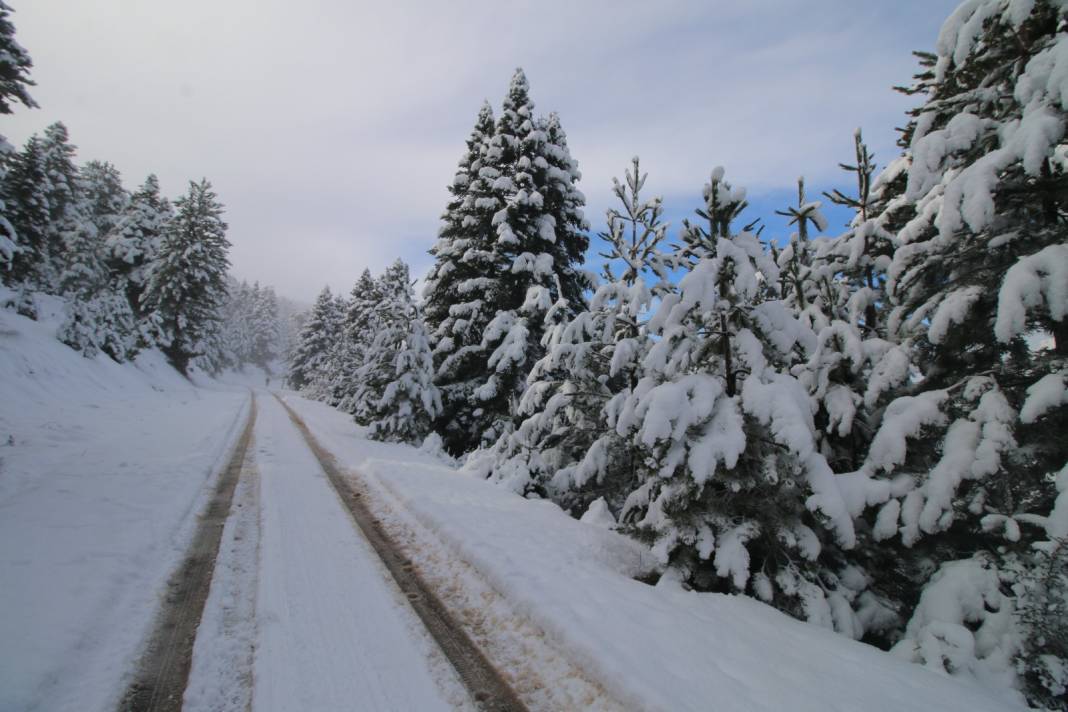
103, 469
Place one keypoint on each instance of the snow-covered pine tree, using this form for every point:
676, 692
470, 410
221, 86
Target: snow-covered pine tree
62, 190
540, 242
26, 207
397, 399
457, 296
98, 318
734, 493
291, 320
235, 327
310, 360
132, 246
857, 261
565, 447
187, 279
851, 370
973, 446
508, 251
326, 388
799, 285
15, 65
264, 327
851, 373
104, 195
563, 210
358, 332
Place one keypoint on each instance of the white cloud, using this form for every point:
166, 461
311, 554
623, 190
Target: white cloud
330, 128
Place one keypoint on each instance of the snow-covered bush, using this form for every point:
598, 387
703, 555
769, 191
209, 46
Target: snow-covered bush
733, 490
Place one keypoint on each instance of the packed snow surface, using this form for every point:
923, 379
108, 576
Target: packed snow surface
660, 648
333, 631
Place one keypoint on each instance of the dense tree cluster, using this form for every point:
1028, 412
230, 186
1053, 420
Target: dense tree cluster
135, 270
370, 357
865, 431
506, 268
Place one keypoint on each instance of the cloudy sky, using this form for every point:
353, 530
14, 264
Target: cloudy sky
330, 128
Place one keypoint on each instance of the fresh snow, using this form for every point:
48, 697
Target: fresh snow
103, 469
333, 631
657, 647
100, 497
1043, 395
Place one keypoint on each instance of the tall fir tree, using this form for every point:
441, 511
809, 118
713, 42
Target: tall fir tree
237, 322
358, 332
104, 195
564, 447
26, 208
458, 303
15, 65
133, 243
263, 326
537, 245
187, 281
62, 190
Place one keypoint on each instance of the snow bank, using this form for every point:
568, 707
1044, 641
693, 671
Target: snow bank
103, 468
653, 647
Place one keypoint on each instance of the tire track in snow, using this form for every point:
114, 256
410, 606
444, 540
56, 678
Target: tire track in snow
487, 687
164, 668
222, 669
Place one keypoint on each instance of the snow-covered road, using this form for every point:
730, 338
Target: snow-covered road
332, 631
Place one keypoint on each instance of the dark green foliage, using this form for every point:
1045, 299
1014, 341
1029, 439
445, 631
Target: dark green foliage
509, 248
26, 206
15, 64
